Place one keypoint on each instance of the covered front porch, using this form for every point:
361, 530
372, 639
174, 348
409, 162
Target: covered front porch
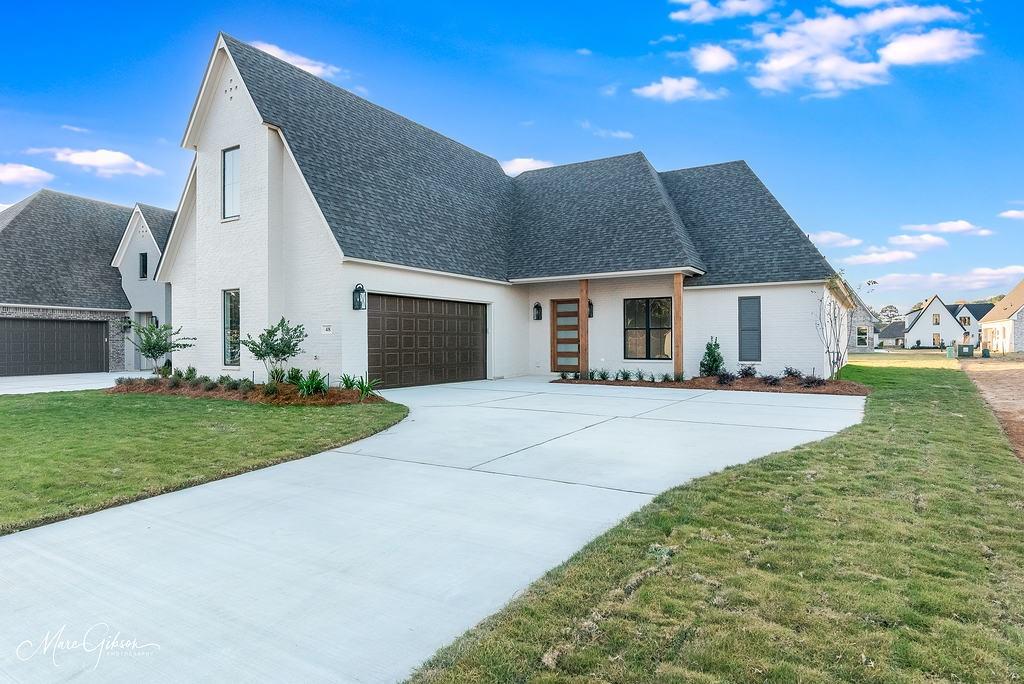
623, 321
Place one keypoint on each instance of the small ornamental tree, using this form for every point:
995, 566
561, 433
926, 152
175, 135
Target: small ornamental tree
712, 363
156, 341
276, 345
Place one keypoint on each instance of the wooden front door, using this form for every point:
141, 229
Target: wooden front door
565, 335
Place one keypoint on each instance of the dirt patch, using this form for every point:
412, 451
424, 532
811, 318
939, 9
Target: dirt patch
1001, 382
786, 385
287, 395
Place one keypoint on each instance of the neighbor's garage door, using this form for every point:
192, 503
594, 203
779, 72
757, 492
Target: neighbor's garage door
416, 341
37, 347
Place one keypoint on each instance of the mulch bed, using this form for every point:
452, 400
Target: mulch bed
287, 395
786, 385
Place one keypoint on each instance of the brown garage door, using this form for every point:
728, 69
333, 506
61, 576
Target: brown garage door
41, 347
416, 341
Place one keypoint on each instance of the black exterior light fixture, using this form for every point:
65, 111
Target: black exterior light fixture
590, 308
359, 298
126, 323
538, 311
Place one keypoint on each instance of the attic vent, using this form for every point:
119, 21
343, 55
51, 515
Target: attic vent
230, 89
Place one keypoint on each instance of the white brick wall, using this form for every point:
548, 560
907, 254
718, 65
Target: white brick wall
948, 328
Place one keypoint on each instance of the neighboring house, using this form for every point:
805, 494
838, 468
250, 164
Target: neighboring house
1002, 328
892, 335
137, 257
863, 327
969, 316
932, 325
414, 259
64, 307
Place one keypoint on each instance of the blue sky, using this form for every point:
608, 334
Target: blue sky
896, 124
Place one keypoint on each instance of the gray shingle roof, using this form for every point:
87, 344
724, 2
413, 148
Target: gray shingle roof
1008, 306
397, 192
55, 250
589, 218
741, 230
979, 309
391, 190
159, 221
893, 330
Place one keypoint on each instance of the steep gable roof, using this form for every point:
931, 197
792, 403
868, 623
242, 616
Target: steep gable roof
741, 230
911, 322
1008, 306
979, 309
159, 221
391, 190
893, 330
599, 216
55, 250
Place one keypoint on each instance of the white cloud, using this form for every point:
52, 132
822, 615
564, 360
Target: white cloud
667, 38
75, 129
104, 163
863, 3
585, 52
23, 174
879, 255
514, 167
709, 59
832, 238
976, 279
1012, 214
670, 89
935, 47
959, 226
609, 90
831, 53
706, 11
605, 132
918, 243
315, 67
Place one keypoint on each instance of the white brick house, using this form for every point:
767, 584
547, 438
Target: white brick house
302, 197
1002, 328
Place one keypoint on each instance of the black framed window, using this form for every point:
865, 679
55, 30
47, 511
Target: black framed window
647, 327
232, 317
750, 329
143, 265
229, 176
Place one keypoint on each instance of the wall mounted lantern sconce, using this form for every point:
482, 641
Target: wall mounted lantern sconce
359, 298
538, 312
590, 309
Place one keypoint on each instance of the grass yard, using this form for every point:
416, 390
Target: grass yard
892, 552
68, 453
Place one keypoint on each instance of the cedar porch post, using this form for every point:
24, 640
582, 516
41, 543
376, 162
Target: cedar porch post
677, 324
584, 327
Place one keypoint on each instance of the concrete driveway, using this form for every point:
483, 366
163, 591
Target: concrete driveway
356, 564
67, 382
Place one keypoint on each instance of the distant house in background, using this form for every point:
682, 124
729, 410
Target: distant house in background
933, 325
1002, 328
892, 335
969, 317
863, 327
137, 256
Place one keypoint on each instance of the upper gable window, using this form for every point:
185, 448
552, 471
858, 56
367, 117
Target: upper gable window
965, 321
936, 319
143, 265
229, 175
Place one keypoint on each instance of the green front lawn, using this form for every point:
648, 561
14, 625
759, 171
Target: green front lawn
68, 453
892, 552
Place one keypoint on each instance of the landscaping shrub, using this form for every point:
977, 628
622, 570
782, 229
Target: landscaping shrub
638, 375
275, 375
153, 382
349, 381
563, 375
604, 374
174, 382
367, 388
210, 385
165, 369
294, 376
123, 381
232, 384
576, 375
190, 373
667, 377
313, 383
156, 341
623, 375
748, 371
712, 363
224, 380
178, 374
680, 377
726, 378
591, 374
275, 346
791, 372
246, 385
771, 380
812, 381
270, 389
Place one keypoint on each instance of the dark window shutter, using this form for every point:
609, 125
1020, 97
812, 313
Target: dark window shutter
750, 328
